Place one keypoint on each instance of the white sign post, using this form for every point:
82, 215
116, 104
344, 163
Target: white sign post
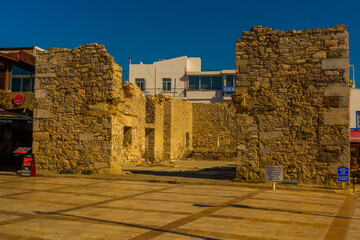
274, 174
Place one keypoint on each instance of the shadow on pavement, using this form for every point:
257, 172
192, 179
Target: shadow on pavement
290, 211
219, 173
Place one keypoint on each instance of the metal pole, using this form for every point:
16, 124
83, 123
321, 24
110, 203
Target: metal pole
129, 68
273, 186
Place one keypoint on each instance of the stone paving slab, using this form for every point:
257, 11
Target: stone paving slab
72, 208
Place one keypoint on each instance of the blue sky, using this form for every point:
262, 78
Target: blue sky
150, 30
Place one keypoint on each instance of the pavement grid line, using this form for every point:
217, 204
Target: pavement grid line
178, 223
340, 224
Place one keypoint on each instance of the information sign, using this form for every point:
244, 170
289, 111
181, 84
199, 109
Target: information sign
27, 165
274, 173
343, 174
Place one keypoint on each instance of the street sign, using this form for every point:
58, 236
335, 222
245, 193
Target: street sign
274, 173
228, 89
343, 174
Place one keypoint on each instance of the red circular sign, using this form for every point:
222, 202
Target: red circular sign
19, 98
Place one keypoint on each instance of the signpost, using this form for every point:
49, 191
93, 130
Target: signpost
274, 174
343, 176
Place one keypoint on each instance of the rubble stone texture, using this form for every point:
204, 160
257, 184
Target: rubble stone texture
169, 127
292, 100
214, 131
85, 118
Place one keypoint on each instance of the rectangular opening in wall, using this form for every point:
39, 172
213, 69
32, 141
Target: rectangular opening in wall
127, 136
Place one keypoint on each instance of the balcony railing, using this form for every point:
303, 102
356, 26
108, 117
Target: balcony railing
174, 92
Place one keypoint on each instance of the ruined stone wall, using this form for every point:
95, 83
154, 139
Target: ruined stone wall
292, 99
81, 111
155, 112
214, 131
177, 128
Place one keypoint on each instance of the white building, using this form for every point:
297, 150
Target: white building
182, 78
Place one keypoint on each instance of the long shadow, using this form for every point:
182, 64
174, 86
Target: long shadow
123, 224
218, 173
289, 211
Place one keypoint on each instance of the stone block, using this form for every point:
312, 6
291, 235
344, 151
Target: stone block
41, 136
336, 116
335, 63
40, 93
86, 136
319, 55
270, 135
337, 89
41, 113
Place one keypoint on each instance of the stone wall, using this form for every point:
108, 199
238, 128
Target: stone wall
177, 128
292, 101
214, 131
82, 111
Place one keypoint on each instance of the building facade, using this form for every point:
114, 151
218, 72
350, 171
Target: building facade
17, 74
182, 78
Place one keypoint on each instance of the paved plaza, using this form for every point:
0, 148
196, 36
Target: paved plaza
73, 208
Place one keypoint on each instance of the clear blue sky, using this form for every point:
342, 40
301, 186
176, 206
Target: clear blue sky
150, 30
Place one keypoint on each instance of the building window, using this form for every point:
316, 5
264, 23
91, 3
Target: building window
166, 84
140, 82
216, 82
357, 119
194, 82
230, 80
205, 82
21, 80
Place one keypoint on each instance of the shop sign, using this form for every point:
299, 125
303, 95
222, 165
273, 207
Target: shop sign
19, 98
228, 89
27, 165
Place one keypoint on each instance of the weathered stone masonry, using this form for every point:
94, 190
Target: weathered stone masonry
82, 110
292, 100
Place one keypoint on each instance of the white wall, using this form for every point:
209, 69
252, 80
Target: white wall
172, 68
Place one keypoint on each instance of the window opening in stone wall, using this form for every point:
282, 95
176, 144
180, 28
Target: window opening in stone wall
149, 144
21, 80
127, 136
140, 82
166, 84
357, 119
187, 139
221, 141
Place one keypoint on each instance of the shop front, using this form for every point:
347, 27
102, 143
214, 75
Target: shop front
15, 132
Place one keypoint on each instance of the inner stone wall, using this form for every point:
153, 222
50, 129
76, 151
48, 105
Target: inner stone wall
292, 100
177, 128
82, 110
214, 131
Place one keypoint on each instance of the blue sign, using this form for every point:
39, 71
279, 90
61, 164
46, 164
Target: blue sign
343, 174
228, 89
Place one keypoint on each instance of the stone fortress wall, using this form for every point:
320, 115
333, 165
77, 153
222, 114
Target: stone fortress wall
291, 108
82, 110
292, 100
